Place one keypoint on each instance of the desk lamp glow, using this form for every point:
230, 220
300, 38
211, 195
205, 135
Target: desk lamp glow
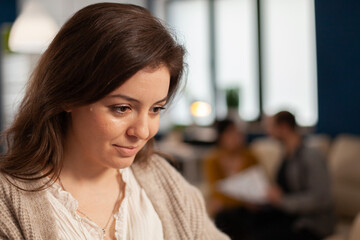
200, 109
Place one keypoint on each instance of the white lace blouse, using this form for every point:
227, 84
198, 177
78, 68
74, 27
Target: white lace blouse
135, 219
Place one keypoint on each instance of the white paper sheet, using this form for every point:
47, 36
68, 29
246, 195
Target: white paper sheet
249, 185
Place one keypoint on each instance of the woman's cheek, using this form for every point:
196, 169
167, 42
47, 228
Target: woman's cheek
154, 128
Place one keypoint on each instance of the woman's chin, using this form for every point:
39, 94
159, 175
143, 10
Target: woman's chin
123, 162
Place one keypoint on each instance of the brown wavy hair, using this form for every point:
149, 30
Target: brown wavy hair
96, 51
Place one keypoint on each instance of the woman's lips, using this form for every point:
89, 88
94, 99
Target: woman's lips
126, 151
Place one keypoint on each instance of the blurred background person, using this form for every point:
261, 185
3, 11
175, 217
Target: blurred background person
300, 201
230, 156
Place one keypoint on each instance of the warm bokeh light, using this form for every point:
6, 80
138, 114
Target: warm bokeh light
200, 109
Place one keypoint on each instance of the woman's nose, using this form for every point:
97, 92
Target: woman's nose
140, 128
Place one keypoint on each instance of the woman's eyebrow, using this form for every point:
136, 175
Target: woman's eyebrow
133, 99
162, 100
125, 97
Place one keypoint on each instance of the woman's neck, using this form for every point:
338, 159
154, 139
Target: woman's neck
81, 170
98, 191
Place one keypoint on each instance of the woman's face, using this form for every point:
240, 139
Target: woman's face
111, 131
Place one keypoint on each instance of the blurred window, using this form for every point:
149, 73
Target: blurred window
235, 56
236, 52
190, 19
289, 58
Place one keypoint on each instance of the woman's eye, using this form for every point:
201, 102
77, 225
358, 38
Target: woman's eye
121, 109
157, 109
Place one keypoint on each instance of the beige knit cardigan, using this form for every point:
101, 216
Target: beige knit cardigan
180, 206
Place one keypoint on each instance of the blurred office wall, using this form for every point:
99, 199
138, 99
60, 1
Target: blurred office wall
338, 57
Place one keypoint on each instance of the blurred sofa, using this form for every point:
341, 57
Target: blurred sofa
343, 154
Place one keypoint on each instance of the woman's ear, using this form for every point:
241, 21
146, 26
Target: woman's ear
67, 108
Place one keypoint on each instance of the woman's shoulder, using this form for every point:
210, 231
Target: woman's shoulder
6, 184
11, 207
179, 204
18, 184
16, 191
7, 194
30, 209
2, 179
158, 168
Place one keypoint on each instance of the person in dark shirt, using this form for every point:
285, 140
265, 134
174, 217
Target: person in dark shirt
301, 194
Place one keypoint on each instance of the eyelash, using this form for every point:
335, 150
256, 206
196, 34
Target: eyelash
121, 109
158, 109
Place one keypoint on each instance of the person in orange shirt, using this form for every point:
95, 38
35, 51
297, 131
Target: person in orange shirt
230, 156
